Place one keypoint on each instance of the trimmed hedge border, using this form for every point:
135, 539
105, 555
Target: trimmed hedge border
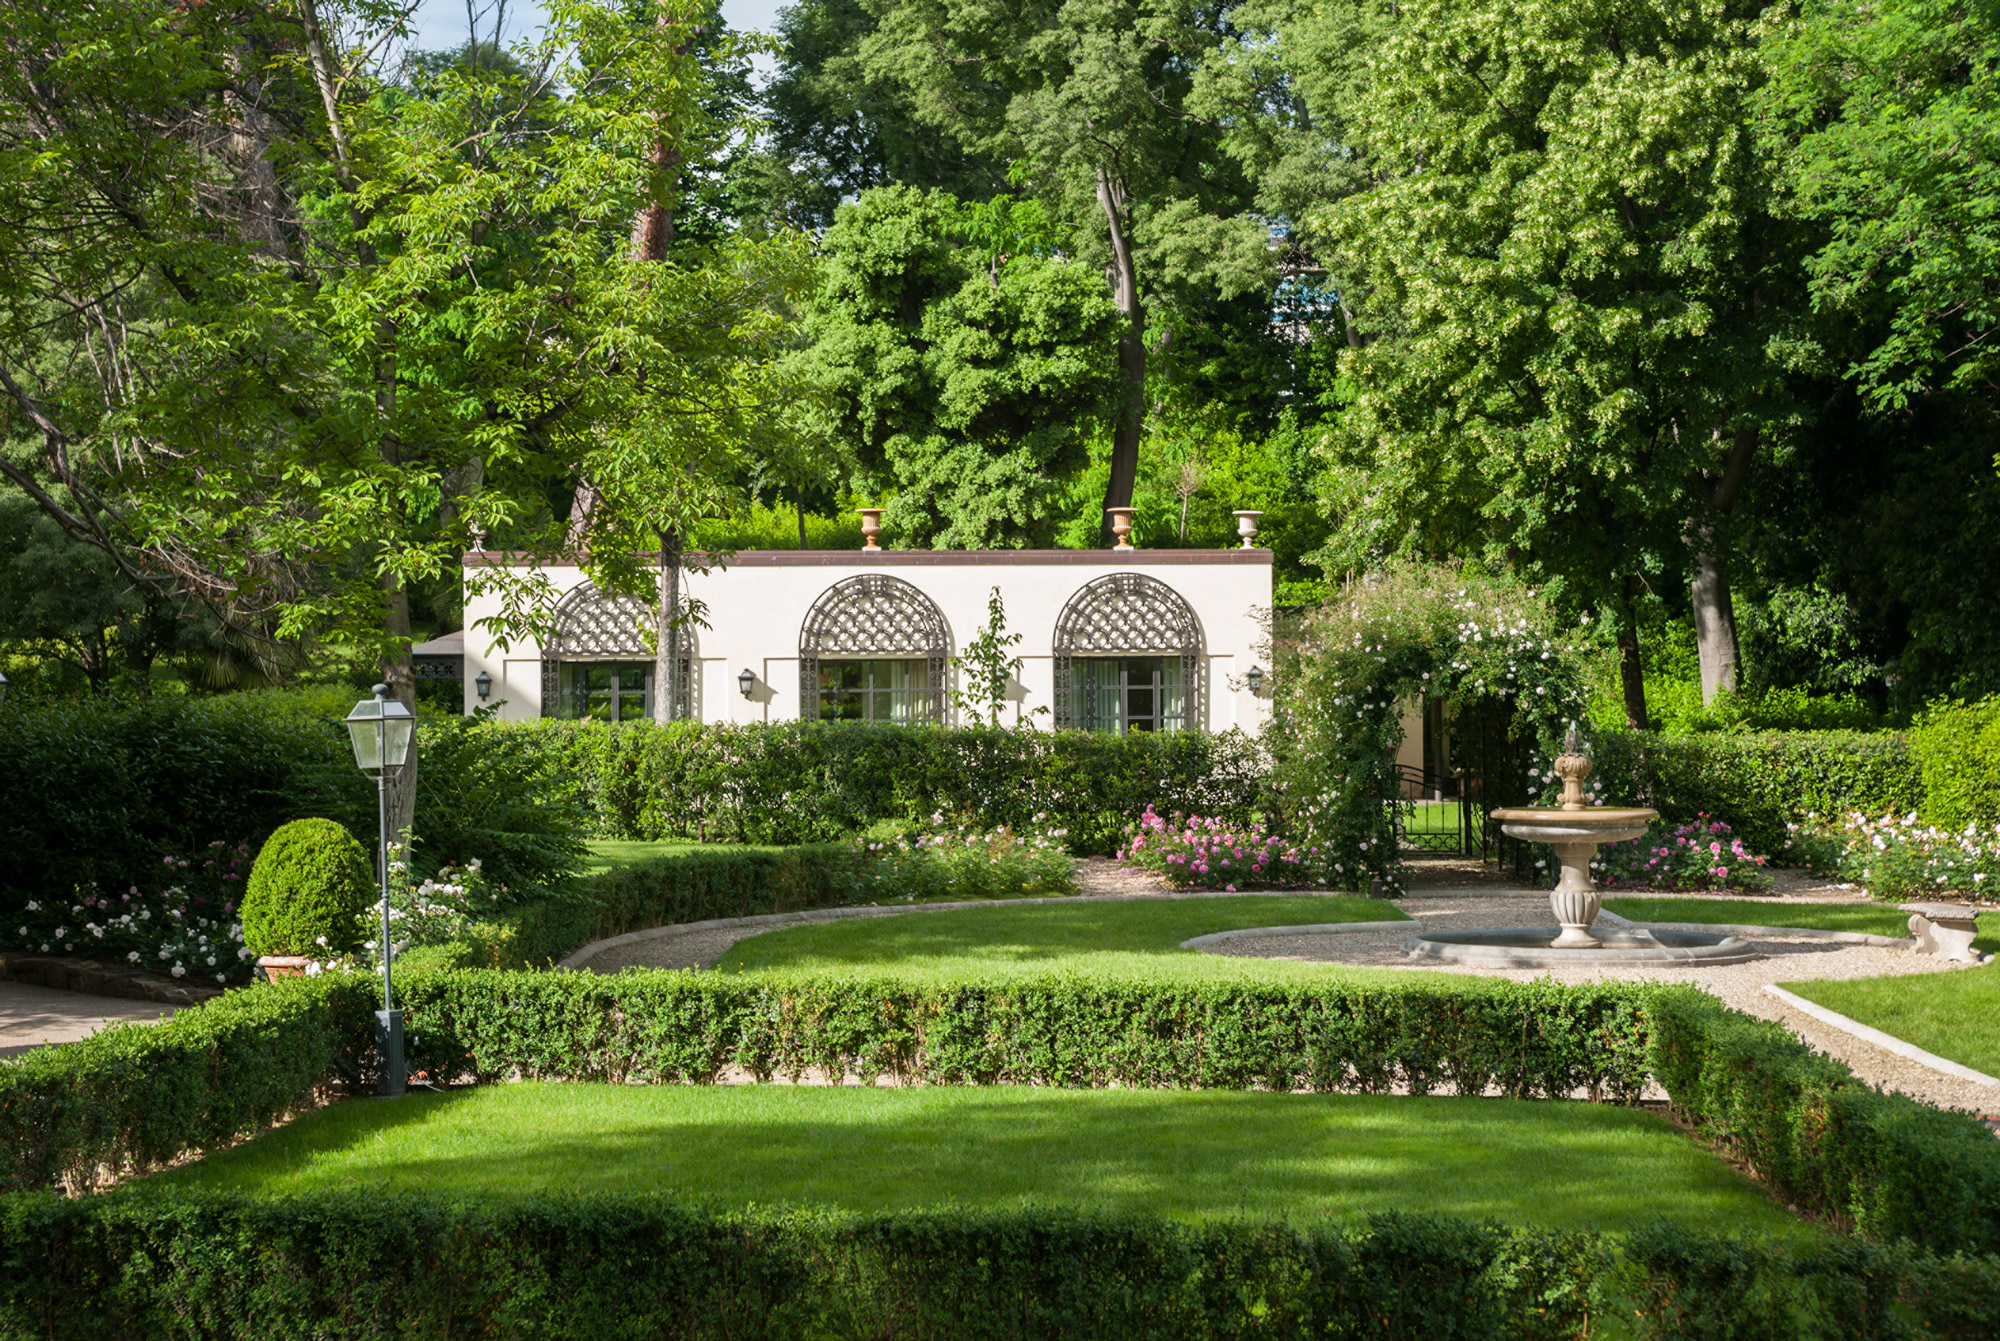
136, 1097
1759, 783
353, 1264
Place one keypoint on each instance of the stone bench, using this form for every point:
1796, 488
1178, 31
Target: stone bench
1944, 929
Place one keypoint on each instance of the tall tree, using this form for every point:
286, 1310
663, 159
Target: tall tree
833, 128
286, 331
965, 357
1588, 319
1088, 101
1890, 116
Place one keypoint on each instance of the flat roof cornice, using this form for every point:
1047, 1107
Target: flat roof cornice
933, 558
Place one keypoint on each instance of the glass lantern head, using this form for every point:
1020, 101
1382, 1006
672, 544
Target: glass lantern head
747, 681
1256, 679
3, 688
484, 683
380, 729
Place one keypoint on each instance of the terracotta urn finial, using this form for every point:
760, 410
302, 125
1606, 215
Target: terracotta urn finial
871, 526
1121, 526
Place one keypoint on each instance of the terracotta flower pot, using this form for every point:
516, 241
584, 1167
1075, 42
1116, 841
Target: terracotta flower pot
283, 966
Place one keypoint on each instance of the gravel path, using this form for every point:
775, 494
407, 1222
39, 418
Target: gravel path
1787, 959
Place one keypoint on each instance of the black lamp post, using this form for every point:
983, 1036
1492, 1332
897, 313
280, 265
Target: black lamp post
381, 729
3, 688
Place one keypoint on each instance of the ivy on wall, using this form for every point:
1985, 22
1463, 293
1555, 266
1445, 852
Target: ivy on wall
1479, 643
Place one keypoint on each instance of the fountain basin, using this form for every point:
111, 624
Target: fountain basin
1539, 947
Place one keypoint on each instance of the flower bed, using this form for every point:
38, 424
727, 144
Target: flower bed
943, 860
1706, 854
1207, 852
1901, 857
185, 926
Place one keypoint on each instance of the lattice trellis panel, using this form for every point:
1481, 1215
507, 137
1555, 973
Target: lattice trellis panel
591, 626
1126, 614
874, 616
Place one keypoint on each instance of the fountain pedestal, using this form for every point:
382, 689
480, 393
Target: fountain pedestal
1575, 835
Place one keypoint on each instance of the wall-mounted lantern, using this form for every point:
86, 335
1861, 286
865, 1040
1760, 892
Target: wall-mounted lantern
1255, 679
747, 682
484, 684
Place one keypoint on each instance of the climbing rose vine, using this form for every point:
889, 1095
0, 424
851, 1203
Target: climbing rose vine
1480, 644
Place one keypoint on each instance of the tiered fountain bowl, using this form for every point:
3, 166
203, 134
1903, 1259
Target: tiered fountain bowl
1575, 830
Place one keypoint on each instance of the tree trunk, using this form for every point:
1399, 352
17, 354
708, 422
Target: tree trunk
799, 501
1714, 612
1631, 673
667, 633
399, 673
1124, 279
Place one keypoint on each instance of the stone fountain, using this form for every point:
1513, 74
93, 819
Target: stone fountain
1575, 829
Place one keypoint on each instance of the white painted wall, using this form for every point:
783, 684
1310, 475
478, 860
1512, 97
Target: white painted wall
757, 605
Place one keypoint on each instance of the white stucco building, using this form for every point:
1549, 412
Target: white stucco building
1111, 639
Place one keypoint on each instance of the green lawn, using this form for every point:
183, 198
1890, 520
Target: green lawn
1185, 1154
1141, 934
1879, 919
1955, 1015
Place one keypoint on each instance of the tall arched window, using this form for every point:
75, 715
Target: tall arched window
873, 649
599, 665
1128, 655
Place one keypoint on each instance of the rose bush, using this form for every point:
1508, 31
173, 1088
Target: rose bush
1706, 854
1901, 857
1205, 852
186, 926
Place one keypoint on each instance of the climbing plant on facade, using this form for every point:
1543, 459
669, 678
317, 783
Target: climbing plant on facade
1477, 642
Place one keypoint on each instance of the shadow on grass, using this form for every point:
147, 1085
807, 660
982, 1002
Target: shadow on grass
1192, 1155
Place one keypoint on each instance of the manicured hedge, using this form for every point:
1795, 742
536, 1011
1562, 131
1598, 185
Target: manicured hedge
1958, 747
1813, 1131
137, 1096
1536, 1039
134, 1265
101, 791
1760, 783
804, 782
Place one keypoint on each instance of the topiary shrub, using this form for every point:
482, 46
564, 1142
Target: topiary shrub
311, 880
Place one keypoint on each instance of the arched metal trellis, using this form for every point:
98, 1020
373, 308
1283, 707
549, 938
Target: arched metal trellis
875, 616
1126, 615
591, 626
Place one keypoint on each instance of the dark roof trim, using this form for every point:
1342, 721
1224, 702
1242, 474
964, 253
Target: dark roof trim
938, 558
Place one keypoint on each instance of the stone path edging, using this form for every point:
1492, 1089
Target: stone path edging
1752, 932
578, 958
1222, 937
1869, 1034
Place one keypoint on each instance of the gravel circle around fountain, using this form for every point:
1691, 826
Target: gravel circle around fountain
1783, 958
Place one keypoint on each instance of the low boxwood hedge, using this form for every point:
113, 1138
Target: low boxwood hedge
135, 1265
1815, 1133
133, 1098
